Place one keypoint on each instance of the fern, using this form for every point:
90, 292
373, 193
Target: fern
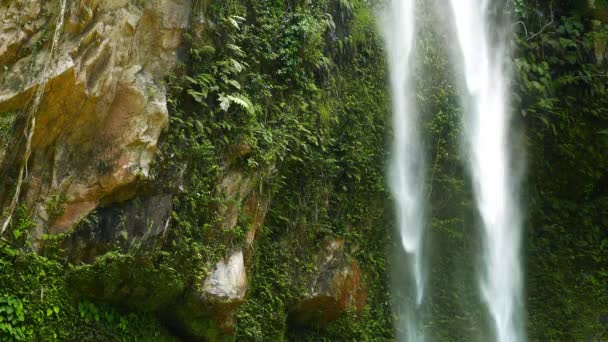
236, 49
242, 101
235, 21
346, 7
224, 102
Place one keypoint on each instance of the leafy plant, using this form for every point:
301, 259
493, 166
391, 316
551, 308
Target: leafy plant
7, 121
55, 206
12, 317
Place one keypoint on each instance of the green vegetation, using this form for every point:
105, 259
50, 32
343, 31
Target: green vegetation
561, 89
7, 121
286, 101
54, 207
12, 317
38, 304
276, 93
292, 86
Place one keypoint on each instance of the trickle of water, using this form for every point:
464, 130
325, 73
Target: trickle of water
31, 113
487, 125
406, 175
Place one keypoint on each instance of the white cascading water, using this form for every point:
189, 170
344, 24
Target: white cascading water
406, 175
487, 124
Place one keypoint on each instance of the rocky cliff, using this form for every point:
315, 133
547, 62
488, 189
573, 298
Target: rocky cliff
214, 170
199, 221
104, 100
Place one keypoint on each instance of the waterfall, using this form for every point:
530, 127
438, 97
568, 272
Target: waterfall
31, 114
487, 125
406, 174
487, 140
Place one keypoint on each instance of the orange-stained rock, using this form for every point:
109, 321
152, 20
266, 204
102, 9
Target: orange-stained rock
104, 106
337, 288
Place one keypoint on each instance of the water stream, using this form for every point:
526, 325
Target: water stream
483, 57
406, 174
487, 126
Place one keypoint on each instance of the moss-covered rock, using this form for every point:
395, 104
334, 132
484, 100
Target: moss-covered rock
337, 288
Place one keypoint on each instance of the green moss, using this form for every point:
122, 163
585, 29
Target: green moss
55, 206
363, 26
7, 121
293, 95
128, 281
52, 311
269, 77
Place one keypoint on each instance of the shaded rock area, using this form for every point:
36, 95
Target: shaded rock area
337, 288
138, 224
104, 106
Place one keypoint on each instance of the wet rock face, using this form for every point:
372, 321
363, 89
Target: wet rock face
104, 106
337, 288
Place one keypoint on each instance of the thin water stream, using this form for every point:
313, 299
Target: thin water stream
406, 175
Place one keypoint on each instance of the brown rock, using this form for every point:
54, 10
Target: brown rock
104, 106
337, 288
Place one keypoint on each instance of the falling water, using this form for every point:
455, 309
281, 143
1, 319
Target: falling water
31, 113
487, 134
407, 168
